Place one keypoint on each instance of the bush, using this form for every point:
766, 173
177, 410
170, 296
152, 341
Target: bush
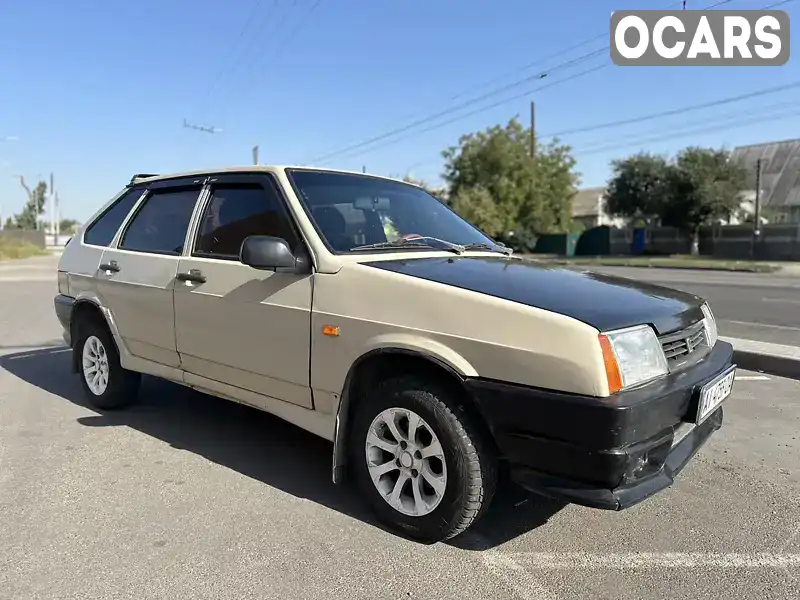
521, 240
10, 249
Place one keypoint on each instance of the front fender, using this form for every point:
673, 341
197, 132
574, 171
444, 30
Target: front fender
427, 347
400, 343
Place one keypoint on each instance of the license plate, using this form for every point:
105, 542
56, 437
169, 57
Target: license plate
712, 394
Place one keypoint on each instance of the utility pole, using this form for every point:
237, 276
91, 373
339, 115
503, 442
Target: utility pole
757, 212
58, 221
255, 155
53, 210
533, 129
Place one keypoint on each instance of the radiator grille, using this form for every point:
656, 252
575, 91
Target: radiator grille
680, 345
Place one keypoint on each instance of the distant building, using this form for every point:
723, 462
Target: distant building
588, 208
780, 179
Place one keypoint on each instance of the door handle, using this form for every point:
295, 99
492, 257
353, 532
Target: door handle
194, 275
112, 267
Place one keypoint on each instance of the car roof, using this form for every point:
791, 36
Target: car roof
146, 177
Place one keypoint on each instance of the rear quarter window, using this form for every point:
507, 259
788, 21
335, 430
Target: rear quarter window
105, 227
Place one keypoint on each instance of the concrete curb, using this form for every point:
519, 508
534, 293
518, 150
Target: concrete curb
765, 357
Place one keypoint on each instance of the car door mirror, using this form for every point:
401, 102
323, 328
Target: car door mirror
267, 253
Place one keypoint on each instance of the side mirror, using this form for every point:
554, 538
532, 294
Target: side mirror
267, 253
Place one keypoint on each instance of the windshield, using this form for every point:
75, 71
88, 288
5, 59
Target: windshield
351, 210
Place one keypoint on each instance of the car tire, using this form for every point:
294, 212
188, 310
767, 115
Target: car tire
118, 387
468, 468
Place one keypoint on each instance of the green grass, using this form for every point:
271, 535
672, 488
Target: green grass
671, 262
11, 249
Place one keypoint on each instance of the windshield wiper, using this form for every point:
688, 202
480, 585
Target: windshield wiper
417, 242
497, 248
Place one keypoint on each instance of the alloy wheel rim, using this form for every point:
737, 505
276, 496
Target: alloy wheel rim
406, 462
95, 365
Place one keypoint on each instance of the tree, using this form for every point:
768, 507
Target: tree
511, 191
639, 186
697, 187
477, 206
33, 208
704, 186
68, 226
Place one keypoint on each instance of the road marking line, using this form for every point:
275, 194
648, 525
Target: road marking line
7, 352
761, 325
784, 300
752, 378
506, 570
524, 585
42, 279
657, 560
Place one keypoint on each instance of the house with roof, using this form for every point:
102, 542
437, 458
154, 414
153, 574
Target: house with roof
588, 208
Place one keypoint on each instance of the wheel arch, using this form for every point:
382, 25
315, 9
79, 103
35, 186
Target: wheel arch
87, 308
393, 360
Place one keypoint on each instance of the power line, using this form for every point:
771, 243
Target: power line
238, 59
480, 110
443, 113
676, 111
296, 29
718, 118
558, 54
659, 132
687, 133
282, 45
232, 55
537, 63
347, 151
747, 113
591, 146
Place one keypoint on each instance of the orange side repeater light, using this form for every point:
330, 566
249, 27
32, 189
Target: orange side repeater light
330, 330
612, 368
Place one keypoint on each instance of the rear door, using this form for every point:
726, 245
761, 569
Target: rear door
136, 278
234, 324
83, 255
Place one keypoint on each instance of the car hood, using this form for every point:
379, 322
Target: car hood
602, 301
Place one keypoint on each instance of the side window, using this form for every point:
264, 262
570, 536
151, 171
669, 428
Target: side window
237, 211
160, 225
103, 230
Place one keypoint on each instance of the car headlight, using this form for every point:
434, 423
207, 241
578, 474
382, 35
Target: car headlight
710, 325
632, 356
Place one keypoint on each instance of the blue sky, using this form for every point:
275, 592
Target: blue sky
98, 89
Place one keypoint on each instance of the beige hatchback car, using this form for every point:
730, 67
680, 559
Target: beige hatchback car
365, 311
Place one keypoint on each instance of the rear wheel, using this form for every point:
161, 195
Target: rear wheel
420, 459
105, 383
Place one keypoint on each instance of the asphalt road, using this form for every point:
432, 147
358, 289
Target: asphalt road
187, 496
753, 306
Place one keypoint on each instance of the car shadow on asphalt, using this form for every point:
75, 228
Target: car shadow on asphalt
248, 440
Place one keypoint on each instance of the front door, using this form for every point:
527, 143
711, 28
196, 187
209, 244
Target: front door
136, 278
234, 324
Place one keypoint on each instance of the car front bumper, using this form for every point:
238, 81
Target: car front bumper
608, 453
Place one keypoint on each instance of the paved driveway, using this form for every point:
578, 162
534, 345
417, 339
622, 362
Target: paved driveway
187, 496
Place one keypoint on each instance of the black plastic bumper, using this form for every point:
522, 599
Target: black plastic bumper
606, 453
64, 305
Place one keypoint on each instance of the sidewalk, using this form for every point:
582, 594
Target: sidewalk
775, 359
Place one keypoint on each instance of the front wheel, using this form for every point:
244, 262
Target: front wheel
420, 459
